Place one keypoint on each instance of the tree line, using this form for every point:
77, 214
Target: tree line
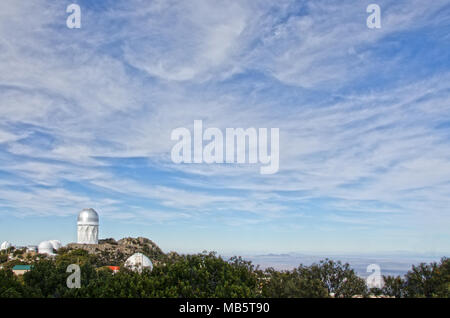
209, 275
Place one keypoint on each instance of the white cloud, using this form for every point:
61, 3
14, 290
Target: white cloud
73, 104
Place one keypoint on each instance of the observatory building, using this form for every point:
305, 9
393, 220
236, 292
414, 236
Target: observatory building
5, 245
88, 227
48, 247
45, 247
56, 244
137, 262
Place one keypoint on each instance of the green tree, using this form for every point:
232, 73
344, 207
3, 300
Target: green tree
46, 279
3, 258
337, 278
205, 275
442, 277
9, 285
393, 286
429, 280
292, 284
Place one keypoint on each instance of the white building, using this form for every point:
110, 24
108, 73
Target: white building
137, 262
88, 227
56, 244
45, 247
5, 245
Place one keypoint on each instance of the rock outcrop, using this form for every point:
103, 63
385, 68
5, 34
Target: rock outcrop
112, 252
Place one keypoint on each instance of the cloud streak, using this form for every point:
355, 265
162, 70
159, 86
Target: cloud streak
86, 115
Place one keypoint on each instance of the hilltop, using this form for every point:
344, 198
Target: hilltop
112, 252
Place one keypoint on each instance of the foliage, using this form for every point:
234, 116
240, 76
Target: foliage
393, 286
292, 284
9, 286
339, 279
78, 256
205, 275
429, 280
208, 275
3, 258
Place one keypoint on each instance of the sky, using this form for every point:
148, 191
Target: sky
86, 117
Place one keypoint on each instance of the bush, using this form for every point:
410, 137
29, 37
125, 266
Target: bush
292, 284
337, 278
3, 258
429, 280
207, 275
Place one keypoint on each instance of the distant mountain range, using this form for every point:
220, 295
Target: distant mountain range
390, 263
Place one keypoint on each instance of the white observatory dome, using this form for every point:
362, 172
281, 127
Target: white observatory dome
88, 216
88, 227
56, 244
5, 245
137, 262
45, 247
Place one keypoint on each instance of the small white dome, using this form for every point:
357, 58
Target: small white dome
45, 248
137, 262
5, 245
56, 244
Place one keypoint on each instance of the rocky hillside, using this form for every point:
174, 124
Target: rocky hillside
112, 252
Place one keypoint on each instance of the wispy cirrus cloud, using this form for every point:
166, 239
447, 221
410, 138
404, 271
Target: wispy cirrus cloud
86, 115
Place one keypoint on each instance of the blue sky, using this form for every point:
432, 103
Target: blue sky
364, 117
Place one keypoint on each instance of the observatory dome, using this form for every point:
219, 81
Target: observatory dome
45, 247
137, 262
87, 227
5, 245
88, 217
56, 244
